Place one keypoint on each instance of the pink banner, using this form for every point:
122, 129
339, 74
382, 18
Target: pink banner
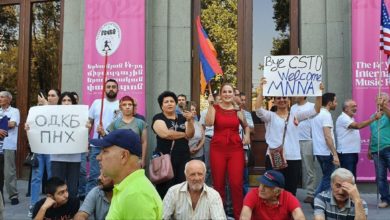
118, 27
366, 67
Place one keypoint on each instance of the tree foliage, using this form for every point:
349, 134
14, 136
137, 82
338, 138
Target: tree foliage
219, 19
9, 35
45, 38
281, 44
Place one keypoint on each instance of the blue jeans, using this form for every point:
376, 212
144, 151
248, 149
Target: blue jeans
37, 174
382, 164
327, 167
69, 172
349, 161
83, 175
94, 169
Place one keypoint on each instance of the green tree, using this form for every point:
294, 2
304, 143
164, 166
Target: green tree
9, 35
281, 44
219, 19
45, 38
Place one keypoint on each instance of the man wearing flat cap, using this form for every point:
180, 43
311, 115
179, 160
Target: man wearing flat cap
270, 200
134, 195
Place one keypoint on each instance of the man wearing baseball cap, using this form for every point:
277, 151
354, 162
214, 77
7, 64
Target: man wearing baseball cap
134, 195
270, 200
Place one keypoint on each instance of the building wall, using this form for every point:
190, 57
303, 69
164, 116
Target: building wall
168, 45
325, 29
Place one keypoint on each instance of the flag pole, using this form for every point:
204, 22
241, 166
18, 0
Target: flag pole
378, 123
103, 88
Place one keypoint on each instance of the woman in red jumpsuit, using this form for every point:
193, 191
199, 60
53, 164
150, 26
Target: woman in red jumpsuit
226, 149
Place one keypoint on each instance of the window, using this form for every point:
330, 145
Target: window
30, 54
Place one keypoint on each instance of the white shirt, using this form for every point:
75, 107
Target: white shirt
304, 127
10, 142
110, 113
323, 119
177, 204
209, 130
194, 141
274, 129
348, 139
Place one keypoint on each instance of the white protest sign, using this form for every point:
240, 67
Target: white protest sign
58, 129
297, 75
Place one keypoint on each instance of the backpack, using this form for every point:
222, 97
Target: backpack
138, 121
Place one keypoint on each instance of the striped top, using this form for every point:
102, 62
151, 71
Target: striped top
325, 205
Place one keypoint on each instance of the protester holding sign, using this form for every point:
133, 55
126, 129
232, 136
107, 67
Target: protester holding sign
281, 127
67, 166
43, 159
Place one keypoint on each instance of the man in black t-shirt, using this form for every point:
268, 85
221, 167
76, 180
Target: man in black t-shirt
56, 205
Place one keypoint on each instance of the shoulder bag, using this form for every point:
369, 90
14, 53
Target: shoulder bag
276, 155
160, 167
31, 160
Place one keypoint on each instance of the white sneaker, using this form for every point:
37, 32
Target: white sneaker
383, 204
30, 211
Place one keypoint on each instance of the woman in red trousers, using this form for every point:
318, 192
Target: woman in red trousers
226, 149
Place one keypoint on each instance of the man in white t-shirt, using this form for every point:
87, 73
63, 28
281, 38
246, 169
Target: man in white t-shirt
306, 145
110, 113
9, 139
348, 135
324, 147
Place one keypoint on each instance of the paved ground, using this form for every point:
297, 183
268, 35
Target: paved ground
19, 212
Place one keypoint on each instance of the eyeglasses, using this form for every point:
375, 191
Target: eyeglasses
279, 98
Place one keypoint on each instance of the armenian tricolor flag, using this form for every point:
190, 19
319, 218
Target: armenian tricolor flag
209, 65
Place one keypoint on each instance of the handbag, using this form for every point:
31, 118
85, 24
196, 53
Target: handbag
160, 167
278, 161
251, 157
31, 160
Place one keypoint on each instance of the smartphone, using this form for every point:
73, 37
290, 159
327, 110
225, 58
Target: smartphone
187, 106
42, 94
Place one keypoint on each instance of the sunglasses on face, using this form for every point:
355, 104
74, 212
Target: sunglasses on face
280, 98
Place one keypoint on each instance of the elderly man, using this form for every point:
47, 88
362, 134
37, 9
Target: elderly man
348, 135
381, 158
193, 199
270, 200
9, 137
342, 201
134, 195
98, 200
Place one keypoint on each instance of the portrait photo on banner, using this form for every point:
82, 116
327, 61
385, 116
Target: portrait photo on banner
295, 75
58, 129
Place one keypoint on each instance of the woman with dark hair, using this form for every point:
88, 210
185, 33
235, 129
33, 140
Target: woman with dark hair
226, 147
129, 121
67, 166
172, 134
43, 159
281, 127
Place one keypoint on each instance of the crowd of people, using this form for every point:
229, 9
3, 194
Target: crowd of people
209, 157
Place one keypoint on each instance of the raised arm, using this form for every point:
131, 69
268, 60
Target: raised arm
359, 125
260, 97
210, 116
318, 103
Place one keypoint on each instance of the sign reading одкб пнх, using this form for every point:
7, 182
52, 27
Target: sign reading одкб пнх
296, 75
58, 129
